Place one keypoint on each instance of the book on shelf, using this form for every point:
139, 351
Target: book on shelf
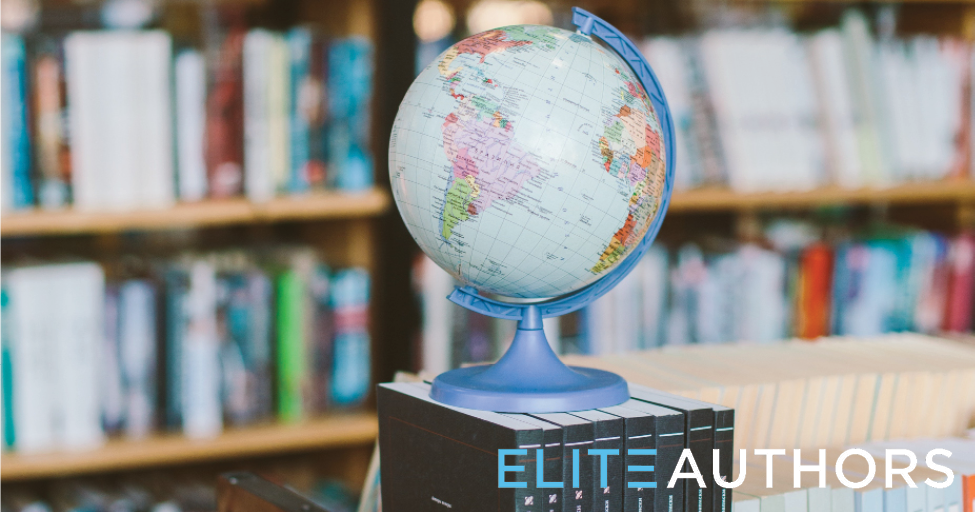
191, 344
18, 192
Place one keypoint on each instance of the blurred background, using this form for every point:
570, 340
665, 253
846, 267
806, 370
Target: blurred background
203, 269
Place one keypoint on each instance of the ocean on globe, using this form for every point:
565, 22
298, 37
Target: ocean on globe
527, 161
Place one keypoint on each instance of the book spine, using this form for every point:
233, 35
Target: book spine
15, 130
641, 435
552, 470
611, 496
112, 392
280, 139
175, 331
225, 118
29, 293
299, 53
201, 401
190, 121
51, 146
699, 434
669, 445
292, 371
350, 84
350, 363
156, 185
6, 372
724, 442
256, 77
528, 498
260, 339
316, 105
78, 296
576, 442
137, 329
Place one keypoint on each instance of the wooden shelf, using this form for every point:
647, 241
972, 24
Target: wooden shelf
703, 200
168, 450
314, 206
332, 205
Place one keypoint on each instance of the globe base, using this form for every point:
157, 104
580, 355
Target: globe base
529, 378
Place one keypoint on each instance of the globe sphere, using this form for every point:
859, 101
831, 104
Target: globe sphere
527, 161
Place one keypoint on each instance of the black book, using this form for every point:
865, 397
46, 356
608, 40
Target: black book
436, 457
550, 497
661, 429
698, 438
609, 431
577, 438
724, 442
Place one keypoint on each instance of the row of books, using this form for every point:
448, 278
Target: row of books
875, 495
114, 120
767, 109
890, 280
791, 284
186, 345
833, 392
431, 451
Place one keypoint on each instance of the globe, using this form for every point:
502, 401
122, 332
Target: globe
527, 161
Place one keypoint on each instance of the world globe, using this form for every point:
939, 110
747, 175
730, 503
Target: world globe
527, 161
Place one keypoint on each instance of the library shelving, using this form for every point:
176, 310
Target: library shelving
329, 432
315, 206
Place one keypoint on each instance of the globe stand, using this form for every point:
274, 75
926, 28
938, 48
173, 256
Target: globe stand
529, 378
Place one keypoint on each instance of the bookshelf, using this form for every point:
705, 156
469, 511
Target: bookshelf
315, 206
335, 431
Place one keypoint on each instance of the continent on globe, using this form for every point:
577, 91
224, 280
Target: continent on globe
487, 165
527, 161
631, 152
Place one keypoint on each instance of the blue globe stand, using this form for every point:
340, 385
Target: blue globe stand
530, 377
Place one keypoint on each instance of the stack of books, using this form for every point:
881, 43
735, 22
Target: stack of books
186, 345
767, 109
119, 120
616, 458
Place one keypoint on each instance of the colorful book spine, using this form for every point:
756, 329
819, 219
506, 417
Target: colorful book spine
225, 118
350, 91
292, 356
14, 130
6, 360
51, 150
351, 371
